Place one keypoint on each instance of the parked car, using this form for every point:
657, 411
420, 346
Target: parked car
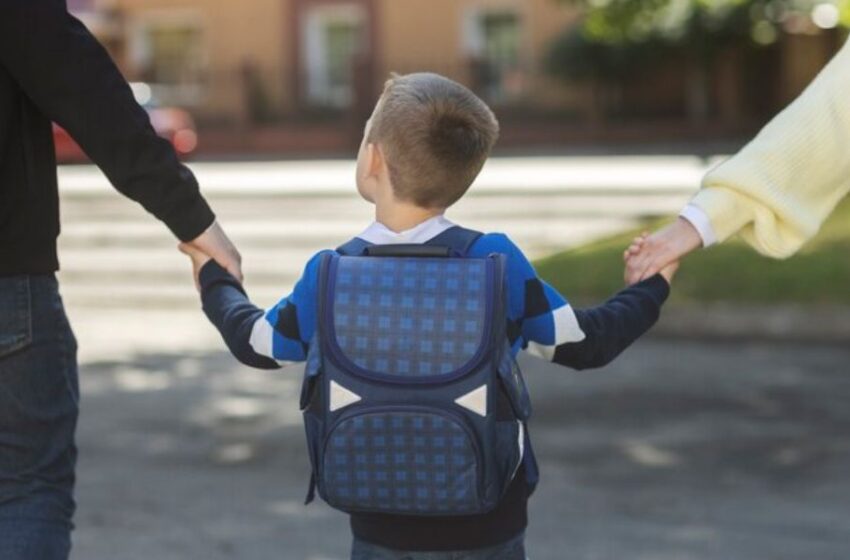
172, 123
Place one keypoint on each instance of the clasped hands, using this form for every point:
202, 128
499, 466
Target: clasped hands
213, 244
660, 252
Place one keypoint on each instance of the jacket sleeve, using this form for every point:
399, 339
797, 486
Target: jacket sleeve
228, 308
579, 338
63, 69
613, 326
269, 338
778, 190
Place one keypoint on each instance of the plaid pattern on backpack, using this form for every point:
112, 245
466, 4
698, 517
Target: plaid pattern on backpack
412, 401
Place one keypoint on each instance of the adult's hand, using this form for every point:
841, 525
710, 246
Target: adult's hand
215, 243
664, 247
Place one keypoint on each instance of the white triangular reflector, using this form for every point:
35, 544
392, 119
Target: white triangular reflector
341, 397
476, 400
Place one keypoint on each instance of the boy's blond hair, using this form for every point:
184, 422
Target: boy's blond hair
435, 135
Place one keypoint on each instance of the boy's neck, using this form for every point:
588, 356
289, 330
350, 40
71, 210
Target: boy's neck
402, 216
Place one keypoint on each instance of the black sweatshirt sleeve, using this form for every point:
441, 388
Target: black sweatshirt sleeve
71, 78
613, 326
228, 308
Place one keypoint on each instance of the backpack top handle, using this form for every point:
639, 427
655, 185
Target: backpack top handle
407, 250
453, 242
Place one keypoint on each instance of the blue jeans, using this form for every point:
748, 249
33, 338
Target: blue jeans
513, 549
39, 397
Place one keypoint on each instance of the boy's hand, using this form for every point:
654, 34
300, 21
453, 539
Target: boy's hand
199, 259
635, 252
661, 249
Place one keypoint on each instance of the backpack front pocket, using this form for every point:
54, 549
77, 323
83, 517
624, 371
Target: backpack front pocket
402, 459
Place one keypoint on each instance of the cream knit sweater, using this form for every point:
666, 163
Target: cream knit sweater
777, 191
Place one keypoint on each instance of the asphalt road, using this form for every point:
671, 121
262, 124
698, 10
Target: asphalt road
679, 450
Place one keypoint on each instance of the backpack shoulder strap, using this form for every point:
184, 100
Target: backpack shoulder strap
353, 248
456, 238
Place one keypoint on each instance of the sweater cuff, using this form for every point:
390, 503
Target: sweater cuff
725, 209
191, 219
695, 216
212, 274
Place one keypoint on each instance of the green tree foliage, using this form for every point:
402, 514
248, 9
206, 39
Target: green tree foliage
617, 37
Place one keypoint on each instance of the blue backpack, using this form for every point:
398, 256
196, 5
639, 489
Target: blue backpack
413, 403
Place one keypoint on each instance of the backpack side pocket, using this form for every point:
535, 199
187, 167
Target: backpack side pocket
310, 403
513, 384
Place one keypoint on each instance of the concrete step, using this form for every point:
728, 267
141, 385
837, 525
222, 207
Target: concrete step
257, 276
272, 254
263, 233
506, 175
109, 208
142, 261
115, 255
127, 294
133, 262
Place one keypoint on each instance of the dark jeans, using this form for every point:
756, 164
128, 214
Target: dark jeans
39, 397
514, 549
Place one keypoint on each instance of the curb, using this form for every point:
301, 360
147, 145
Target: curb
825, 324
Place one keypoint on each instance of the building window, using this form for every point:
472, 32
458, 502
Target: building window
494, 42
334, 37
169, 53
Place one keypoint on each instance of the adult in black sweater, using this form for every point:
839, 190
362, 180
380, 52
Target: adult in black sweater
53, 69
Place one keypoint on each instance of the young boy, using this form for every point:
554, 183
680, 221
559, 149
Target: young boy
424, 145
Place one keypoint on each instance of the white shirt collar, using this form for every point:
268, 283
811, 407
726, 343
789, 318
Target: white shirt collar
379, 234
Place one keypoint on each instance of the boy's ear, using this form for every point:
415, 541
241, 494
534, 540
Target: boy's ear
375, 160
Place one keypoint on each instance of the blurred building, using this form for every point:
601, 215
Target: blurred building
268, 75
265, 58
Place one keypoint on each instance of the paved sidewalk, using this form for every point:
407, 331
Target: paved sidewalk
678, 451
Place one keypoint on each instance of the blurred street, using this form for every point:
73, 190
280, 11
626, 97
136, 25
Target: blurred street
280, 213
685, 451
680, 450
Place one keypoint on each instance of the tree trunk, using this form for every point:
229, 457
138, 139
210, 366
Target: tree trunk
697, 98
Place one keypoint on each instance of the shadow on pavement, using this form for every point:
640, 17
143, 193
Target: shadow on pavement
680, 450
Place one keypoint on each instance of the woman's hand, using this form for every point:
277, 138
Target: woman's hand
664, 248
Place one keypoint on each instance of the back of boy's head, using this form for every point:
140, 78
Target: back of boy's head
435, 135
